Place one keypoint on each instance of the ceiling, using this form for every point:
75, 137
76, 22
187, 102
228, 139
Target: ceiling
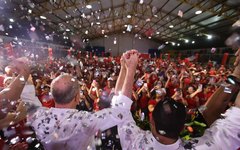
168, 21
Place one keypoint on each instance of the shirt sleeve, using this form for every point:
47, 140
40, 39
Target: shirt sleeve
107, 118
129, 133
223, 134
28, 95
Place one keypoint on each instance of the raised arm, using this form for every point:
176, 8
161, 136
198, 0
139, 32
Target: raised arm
121, 76
14, 90
218, 102
131, 65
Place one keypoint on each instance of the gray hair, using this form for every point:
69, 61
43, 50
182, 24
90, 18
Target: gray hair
64, 88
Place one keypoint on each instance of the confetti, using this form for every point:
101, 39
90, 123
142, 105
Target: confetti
161, 46
162, 132
15, 140
22, 79
29, 140
4, 110
12, 103
180, 13
213, 50
142, 116
32, 28
37, 146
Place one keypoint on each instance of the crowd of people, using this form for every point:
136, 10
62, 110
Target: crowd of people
110, 103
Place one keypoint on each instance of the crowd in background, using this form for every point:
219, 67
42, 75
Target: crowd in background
188, 82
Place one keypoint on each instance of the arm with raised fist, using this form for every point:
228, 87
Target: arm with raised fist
218, 102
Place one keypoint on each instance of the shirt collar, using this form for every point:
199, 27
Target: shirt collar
173, 146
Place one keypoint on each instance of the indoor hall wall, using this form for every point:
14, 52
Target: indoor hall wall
124, 42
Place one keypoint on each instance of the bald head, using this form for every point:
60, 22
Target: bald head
64, 88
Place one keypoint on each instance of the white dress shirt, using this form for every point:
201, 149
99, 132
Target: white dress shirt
69, 129
224, 134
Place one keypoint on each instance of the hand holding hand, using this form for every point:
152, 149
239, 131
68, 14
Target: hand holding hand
20, 65
131, 59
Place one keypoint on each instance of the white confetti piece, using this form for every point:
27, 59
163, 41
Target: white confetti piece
180, 13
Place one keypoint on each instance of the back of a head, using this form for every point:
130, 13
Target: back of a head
169, 117
64, 88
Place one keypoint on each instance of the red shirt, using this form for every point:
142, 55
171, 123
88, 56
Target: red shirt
192, 102
47, 100
171, 89
143, 101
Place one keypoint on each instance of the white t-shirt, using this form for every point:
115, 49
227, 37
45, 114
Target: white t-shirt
224, 134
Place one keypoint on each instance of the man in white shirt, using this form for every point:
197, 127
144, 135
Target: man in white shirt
168, 120
66, 128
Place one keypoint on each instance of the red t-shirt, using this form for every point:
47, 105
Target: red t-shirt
143, 101
171, 89
47, 100
192, 103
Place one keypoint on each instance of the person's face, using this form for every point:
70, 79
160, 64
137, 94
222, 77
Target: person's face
190, 90
159, 85
46, 90
110, 84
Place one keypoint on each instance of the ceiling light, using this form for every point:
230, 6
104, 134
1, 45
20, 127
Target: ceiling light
166, 42
43, 17
98, 23
89, 6
10, 27
198, 12
67, 30
178, 44
124, 31
209, 37
193, 42
157, 32
186, 41
129, 16
173, 44
86, 32
141, 2
171, 26
11, 20
149, 37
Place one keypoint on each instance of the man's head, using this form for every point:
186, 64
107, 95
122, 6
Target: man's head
168, 118
65, 90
